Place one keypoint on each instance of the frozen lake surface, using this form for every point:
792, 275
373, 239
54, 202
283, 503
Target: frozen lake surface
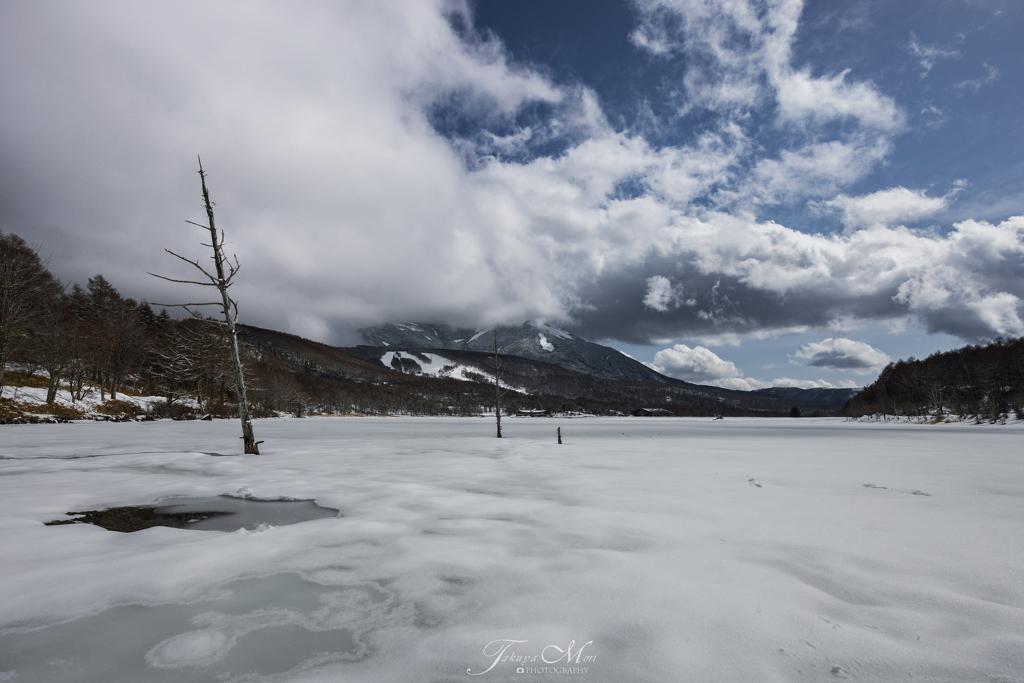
650, 549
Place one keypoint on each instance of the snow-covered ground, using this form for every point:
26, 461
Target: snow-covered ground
89, 401
651, 549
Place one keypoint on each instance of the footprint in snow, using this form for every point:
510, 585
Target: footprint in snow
874, 486
754, 483
920, 493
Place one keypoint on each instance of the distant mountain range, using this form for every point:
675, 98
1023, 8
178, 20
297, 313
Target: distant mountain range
387, 379
540, 342
551, 345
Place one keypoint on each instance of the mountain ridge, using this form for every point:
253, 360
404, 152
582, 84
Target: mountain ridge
534, 341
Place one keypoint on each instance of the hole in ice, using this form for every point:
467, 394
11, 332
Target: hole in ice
212, 513
244, 630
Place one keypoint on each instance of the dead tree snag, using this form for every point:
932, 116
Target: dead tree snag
228, 306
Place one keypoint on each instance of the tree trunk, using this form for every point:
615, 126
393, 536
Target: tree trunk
248, 438
51, 389
497, 385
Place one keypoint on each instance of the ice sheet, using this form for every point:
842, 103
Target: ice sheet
668, 549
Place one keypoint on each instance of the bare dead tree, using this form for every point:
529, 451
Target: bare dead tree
228, 306
498, 393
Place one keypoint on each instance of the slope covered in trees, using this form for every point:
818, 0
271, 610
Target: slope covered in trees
974, 381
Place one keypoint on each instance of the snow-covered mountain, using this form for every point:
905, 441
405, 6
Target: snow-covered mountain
535, 341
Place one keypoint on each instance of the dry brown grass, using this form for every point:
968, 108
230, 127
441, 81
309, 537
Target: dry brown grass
17, 378
17, 412
118, 409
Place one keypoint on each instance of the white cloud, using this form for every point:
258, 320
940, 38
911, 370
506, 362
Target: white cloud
815, 170
736, 46
659, 293
698, 364
751, 384
662, 296
801, 95
888, 207
842, 353
702, 366
992, 75
933, 117
927, 55
958, 282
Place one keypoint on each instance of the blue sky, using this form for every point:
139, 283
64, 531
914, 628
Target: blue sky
739, 193
953, 69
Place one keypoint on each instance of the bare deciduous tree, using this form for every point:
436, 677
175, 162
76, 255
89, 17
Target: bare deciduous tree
175, 361
228, 306
55, 345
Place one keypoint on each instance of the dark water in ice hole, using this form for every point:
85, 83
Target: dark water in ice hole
244, 513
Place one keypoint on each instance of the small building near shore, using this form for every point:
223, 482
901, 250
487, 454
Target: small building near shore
653, 412
540, 412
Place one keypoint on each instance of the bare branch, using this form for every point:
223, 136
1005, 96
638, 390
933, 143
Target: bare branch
211, 303
194, 263
187, 282
199, 225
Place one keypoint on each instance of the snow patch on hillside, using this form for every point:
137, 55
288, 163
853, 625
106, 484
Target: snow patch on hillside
438, 366
552, 330
545, 344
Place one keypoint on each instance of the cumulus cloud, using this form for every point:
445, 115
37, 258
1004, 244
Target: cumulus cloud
747, 276
663, 296
698, 364
702, 366
888, 207
312, 120
842, 353
659, 293
751, 384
